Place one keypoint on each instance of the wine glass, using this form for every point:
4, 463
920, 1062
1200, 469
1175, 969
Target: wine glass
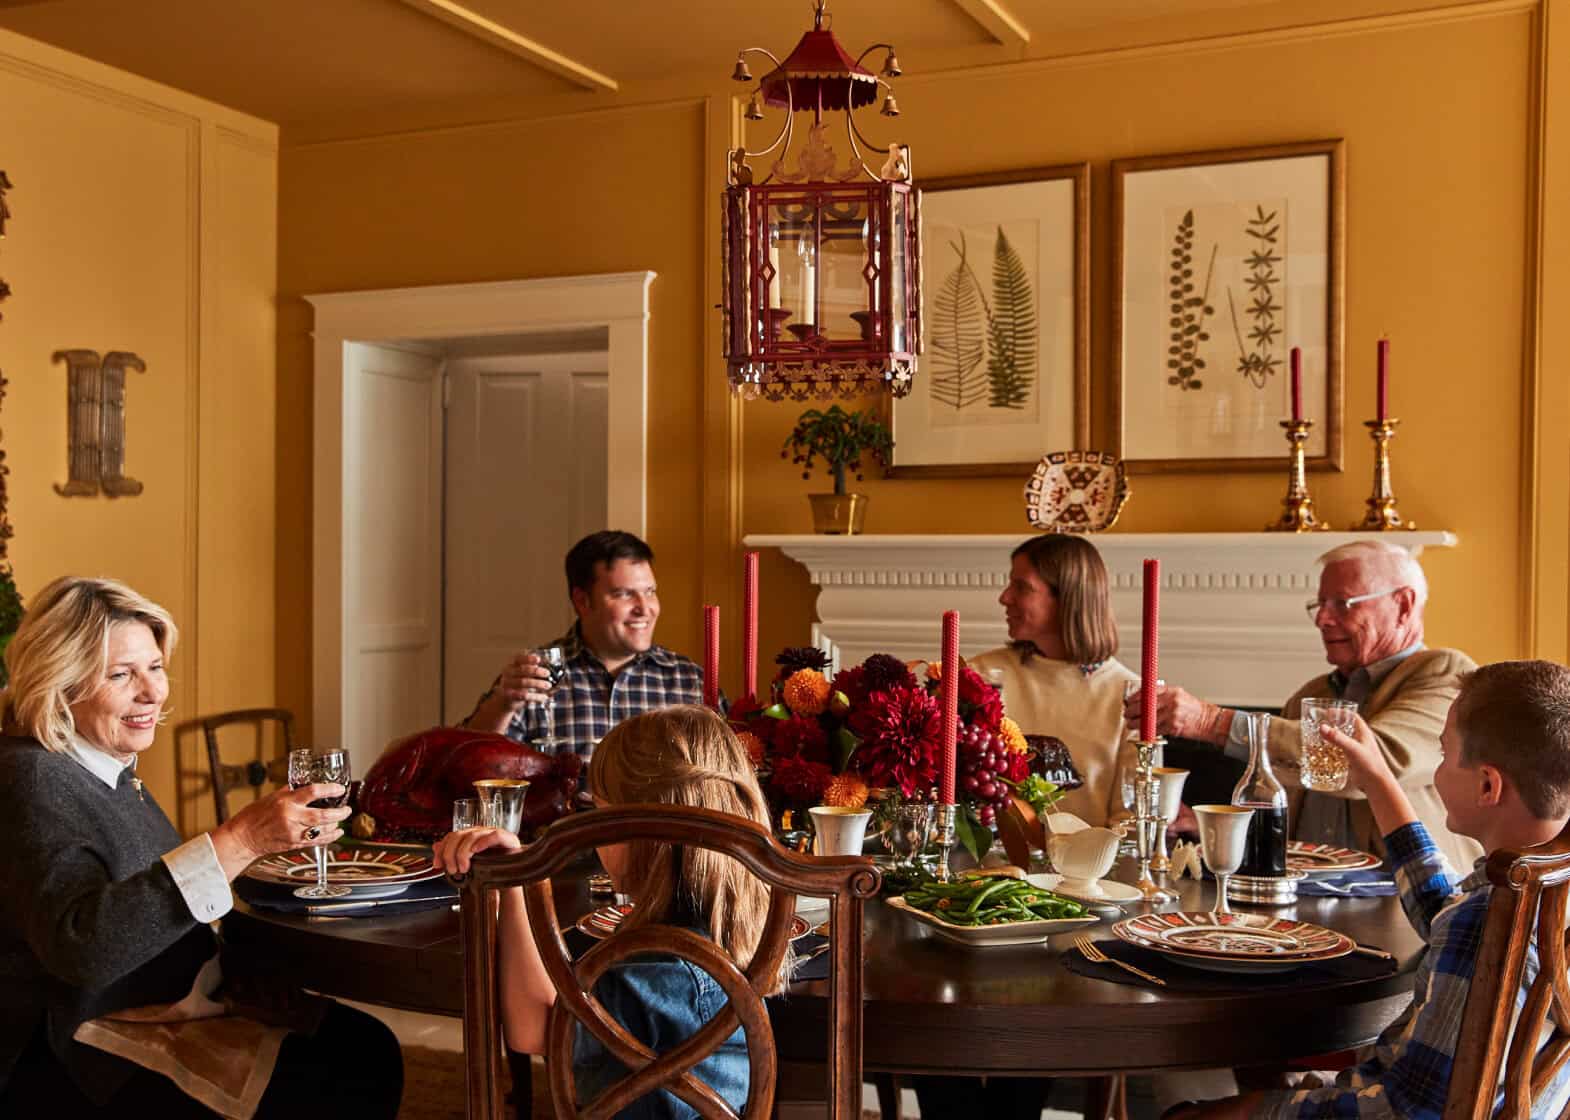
1223, 836
553, 659
307, 768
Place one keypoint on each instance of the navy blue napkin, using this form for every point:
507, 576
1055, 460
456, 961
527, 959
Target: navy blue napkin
1373, 883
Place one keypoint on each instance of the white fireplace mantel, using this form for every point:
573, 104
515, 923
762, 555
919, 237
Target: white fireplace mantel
1233, 627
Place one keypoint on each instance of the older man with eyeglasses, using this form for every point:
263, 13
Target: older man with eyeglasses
1369, 613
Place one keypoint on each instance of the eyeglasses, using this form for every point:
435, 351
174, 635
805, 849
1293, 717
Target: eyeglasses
1339, 607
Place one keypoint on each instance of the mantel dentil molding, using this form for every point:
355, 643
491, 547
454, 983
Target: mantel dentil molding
1233, 628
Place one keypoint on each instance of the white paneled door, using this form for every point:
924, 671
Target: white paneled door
527, 445
392, 543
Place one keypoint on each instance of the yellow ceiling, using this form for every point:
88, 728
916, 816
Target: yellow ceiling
299, 61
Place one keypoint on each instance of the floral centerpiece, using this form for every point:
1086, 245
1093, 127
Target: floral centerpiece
878, 727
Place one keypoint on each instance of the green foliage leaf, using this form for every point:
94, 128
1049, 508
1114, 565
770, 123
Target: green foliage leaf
777, 711
975, 836
846, 744
1011, 356
956, 335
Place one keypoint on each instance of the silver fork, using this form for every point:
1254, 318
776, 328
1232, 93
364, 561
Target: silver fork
1088, 950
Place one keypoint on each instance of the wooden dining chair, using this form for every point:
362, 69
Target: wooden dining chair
1527, 904
255, 773
846, 881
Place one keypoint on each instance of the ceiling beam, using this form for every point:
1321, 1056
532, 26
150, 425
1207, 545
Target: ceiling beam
996, 20
499, 35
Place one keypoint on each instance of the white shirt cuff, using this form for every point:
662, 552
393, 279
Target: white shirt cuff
1237, 745
201, 878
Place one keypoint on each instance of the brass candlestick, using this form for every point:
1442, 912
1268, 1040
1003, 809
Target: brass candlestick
1146, 823
1297, 516
1382, 514
945, 835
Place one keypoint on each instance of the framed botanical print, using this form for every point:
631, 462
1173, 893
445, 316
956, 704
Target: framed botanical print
1223, 262
1004, 378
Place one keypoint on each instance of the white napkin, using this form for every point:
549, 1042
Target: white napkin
1185, 860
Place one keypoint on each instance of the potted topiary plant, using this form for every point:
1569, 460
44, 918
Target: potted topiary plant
840, 439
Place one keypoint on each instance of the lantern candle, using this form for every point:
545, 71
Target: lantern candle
749, 626
949, 698
1383, 412
711, 656
1147, 659
1297, 383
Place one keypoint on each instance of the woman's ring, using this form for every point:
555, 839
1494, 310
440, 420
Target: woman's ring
312, 833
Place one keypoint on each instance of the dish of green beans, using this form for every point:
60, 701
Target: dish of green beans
990, 901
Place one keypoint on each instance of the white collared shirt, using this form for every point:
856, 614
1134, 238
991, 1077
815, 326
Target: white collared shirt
194, 864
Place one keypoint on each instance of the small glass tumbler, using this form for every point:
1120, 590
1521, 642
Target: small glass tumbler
504, 808
1324, 763
465, 813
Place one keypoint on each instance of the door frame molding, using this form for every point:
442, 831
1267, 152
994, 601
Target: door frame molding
617, 302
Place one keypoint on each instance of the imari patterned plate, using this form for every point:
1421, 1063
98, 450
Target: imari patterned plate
370, 869
1326, 859
1234, 942
600, 924
1076, 492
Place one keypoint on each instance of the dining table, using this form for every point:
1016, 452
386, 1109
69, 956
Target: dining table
932, 1006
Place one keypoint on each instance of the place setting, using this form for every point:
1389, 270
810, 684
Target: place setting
374, 878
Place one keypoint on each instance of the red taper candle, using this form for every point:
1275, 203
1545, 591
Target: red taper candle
1297, 383
948, 695
749, 625
711, 656
1147, 651
1383, 412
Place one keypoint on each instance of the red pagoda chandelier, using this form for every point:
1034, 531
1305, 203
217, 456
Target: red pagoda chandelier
822, 261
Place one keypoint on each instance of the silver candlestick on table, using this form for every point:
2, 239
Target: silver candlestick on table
945, 834
1146, 821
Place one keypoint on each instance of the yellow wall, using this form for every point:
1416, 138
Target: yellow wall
1435, 114
1440, 118
144, 220
532, 198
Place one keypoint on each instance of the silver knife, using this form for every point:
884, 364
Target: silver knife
324, 907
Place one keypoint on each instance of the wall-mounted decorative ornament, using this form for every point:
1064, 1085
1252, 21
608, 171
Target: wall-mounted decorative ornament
95, 423
1076, 492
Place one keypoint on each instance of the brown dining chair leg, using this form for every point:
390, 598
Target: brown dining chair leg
1106, 1098
888, 1088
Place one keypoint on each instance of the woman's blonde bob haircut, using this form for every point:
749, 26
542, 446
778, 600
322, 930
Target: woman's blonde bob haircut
60, 652
687, 755
1074, 570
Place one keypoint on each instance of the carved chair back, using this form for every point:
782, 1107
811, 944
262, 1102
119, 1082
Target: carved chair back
1526, 905
848, 881
255, 773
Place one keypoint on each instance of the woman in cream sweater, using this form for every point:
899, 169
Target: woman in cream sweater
1059, 675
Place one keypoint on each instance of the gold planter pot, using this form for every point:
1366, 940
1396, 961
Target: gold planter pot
838, 513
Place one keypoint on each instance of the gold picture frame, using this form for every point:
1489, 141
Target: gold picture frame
1278, 212
1019, 416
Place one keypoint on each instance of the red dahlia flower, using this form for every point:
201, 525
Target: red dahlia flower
899, 732
798, 780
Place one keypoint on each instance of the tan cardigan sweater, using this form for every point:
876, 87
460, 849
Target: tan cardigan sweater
1406, 712
1047, 697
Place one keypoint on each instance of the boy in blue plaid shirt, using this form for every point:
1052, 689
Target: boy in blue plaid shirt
1504, 778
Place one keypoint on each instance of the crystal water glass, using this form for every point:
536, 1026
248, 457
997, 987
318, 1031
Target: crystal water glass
307, 768
1324, 763
553, 659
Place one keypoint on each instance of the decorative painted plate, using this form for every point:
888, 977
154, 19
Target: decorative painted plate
1004, 933
1234, 942
1325, 859
1076, 492
350, 867
601, 923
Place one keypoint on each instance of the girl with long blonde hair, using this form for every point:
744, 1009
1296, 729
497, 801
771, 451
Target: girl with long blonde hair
682, 755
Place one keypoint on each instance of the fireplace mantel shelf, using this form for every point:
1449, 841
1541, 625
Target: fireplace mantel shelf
1232, 621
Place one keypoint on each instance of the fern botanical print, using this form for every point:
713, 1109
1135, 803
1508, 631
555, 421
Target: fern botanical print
1011, 335
957, 335
1259, 358
966, 328
1189, 310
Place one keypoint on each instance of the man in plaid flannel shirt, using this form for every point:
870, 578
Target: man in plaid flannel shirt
1504, 777
614, 669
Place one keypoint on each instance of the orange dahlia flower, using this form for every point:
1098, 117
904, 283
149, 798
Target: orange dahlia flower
753, 746
806, 692
1013, 738
846, 791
